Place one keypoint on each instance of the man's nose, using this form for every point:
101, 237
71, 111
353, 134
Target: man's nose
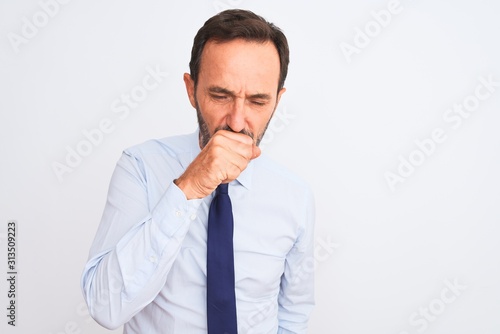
236, 118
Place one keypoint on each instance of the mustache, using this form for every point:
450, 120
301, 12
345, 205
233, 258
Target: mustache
244, 131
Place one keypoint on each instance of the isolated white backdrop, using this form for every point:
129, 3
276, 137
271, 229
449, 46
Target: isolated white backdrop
364, 99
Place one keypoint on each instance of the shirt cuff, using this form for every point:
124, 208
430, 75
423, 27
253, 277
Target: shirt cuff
174, 210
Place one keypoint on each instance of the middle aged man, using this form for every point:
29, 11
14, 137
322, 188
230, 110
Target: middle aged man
147, 268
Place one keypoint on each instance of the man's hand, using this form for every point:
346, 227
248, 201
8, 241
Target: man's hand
222, 160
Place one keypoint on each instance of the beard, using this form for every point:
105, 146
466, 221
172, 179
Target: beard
205, 134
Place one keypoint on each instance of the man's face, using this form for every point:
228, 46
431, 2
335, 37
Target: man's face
237, 88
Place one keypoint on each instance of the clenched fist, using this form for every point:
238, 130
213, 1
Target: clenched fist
222, 160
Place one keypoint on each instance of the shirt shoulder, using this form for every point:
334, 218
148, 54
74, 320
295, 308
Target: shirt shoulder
159, 161
173, 145
280, 175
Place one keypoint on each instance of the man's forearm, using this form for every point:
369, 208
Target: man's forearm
124, 273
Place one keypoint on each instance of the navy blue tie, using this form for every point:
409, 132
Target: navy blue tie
221, 300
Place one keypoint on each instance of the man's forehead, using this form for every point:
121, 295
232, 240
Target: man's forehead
215, 46
240, 60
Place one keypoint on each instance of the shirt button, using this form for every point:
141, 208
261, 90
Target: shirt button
193, 216
152, 258
178, 213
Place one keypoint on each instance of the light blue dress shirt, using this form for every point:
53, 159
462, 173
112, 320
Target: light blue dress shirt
147, 264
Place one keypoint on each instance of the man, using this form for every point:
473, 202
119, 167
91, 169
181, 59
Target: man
147, 267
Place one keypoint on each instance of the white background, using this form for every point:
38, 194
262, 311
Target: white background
385, 257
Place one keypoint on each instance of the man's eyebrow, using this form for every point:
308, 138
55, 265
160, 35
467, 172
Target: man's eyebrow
221, 90
260, 96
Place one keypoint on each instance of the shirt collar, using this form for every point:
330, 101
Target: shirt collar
186, 157
245, 178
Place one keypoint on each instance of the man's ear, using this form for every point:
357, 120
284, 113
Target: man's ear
188, 81
278, 98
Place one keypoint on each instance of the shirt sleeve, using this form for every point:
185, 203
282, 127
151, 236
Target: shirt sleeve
135, 245
296, 297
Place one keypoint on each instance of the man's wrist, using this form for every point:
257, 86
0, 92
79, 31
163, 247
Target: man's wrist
184, 185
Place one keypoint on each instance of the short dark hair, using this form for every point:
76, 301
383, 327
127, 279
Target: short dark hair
234, 24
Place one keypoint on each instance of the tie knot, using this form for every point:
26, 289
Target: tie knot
222, 188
